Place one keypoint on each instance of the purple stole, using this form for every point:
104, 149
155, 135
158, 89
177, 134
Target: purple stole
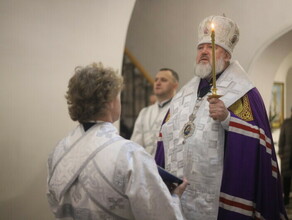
159, 155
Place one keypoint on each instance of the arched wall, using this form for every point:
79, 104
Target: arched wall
288, 93
41, 42
271, 63
284, 75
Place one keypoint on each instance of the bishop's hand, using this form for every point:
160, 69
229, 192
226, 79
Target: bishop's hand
217, 109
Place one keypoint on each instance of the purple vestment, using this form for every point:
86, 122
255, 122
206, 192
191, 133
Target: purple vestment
251, 184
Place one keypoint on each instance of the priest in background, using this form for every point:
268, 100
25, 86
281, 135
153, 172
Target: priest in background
148, 123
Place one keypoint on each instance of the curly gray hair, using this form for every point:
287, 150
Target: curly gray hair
90, 89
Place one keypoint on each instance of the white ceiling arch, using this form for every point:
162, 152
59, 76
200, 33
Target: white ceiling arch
272, 61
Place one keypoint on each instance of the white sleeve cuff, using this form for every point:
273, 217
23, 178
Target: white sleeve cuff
225, 123
176, 200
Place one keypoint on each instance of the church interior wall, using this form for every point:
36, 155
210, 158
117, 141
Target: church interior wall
273, 62
288, 93
41, 44
283, 75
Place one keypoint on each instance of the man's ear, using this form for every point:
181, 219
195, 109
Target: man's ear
176, 86
227, 57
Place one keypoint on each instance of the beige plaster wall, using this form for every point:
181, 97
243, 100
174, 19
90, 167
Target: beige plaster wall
41, 42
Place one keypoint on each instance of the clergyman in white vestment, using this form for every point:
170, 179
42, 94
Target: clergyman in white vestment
149, 120
94, 173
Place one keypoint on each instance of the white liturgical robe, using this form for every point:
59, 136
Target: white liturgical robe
147, 126
97, 174
200, 157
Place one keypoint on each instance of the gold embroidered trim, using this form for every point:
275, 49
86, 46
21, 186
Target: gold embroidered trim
167, 117
242, 109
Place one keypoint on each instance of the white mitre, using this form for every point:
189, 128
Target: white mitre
226, 32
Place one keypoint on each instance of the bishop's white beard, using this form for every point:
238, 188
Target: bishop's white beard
205, 70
